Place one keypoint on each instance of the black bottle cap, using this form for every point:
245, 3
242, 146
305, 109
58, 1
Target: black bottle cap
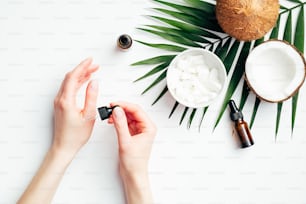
125, 41
105, 112
235, 114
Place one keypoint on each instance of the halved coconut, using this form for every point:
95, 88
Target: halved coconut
275, 70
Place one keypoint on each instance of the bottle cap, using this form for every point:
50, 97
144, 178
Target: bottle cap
105, 112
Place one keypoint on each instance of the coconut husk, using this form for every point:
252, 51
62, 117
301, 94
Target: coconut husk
247, 20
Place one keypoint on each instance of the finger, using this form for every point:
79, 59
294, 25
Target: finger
135, 112
91, 99
80, 68
110, 120
67, 85
74, 79
121, 125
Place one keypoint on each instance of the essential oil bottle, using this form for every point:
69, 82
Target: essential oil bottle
124, 41
241, 126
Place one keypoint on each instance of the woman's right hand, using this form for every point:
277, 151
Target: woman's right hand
136, 133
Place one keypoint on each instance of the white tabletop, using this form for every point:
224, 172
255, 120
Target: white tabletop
41, 40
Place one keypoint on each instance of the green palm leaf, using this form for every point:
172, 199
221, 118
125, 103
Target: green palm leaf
236, 77
202, 5
193, 24
275, 31
173, 109
164, 91
279, 111
255, 108
299, 44
202, 117
189, 28
184, 9
208, 24
183, 115
288, 38
156, 81
167, 47
230, 57
154, 60
244, 95
173, 38
221, 50
177, 32
155, 70
191, 117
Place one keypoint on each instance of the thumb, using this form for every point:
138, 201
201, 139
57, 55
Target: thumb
121, 125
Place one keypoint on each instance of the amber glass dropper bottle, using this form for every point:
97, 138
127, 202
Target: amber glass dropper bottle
125, 41
241, 126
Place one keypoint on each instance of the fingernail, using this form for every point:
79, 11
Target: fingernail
94, 85
118, 112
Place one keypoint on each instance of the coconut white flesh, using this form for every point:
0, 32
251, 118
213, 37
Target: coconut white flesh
195, 79
275, 70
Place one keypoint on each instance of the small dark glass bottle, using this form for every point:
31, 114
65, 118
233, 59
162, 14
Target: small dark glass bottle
241, 126
124, 41
105, 112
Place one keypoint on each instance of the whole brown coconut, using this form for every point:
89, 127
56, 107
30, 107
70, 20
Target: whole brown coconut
247, 20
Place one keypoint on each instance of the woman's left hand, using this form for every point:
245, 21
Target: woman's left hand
73, 125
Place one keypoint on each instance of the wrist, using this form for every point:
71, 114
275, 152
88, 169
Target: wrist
137, 187
135, 178
61, 154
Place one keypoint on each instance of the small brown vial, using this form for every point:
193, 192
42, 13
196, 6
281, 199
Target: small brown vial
124, 41
241, 126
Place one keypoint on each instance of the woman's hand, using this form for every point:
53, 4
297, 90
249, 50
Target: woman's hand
72, 129
73, 125
136, 134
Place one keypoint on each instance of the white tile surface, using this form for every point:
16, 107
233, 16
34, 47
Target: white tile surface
40, 40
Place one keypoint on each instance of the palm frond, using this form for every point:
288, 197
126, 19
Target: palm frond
230, 57
202, 117
156, 81
221, 50
155, 70
193, 24
207, 24
185, 9
177, 32
191, 117
167, 47
189, 28
299, 44
202, 5
164, 91
244, 95
173, 109
288, 38
278, 116
184, 115
173, 38
236, 77
255, 108
154, 60
275, 31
